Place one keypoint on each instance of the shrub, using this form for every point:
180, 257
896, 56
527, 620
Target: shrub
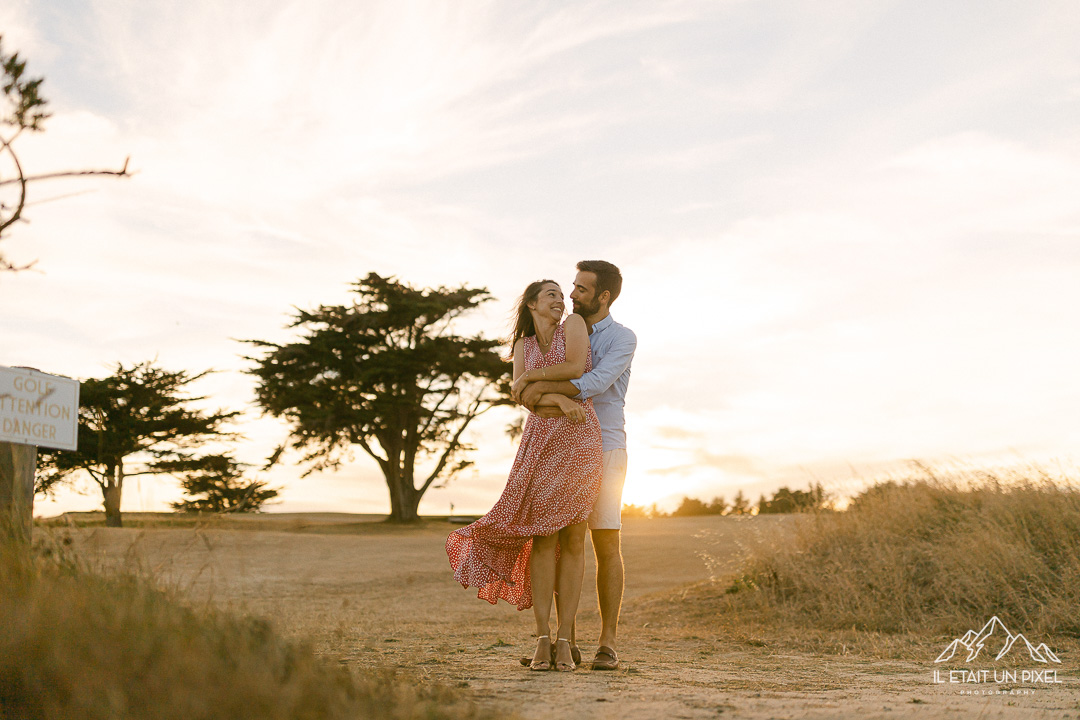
931, 555
76, 644
785, 500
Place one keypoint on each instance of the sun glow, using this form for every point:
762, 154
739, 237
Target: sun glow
639, 491
655, 474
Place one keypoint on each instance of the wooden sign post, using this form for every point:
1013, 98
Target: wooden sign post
36, 409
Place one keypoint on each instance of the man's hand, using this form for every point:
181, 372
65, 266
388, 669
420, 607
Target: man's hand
534, 391
519, 385
547, 411
530, 395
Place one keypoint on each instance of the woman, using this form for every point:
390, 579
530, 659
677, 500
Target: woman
512, 552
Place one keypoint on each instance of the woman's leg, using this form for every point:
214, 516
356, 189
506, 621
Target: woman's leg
542, 572
560, 612
570, 577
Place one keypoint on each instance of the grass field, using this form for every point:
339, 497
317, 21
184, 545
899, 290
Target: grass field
370, 596
108, 644
928, 556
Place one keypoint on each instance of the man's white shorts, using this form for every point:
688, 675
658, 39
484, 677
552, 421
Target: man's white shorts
607, 512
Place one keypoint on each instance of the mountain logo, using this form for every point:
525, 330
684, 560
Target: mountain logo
993, 634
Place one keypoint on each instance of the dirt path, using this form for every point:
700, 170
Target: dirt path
373, 595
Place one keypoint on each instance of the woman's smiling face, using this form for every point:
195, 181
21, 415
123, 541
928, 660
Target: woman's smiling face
550, 302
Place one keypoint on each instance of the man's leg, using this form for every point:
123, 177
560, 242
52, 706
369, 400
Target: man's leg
605, 522
609, 582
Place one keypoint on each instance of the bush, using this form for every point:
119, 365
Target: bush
690, 507
76, 644
931, 555
217, 485
785, 500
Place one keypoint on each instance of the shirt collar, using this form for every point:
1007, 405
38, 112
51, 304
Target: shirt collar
602, 325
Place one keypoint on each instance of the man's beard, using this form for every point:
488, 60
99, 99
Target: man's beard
585, 310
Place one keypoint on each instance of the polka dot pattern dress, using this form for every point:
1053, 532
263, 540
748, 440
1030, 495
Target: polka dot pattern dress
553, 483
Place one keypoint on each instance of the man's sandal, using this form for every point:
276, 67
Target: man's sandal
575, 653
605, 659
541, 665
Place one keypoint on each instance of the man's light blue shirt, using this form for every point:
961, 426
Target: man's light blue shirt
612, 348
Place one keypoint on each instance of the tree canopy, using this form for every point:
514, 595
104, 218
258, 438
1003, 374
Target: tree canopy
138, 421
692, 506
389, 375
216, 484
785, 500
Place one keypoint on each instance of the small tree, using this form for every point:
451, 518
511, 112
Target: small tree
386, 374
689, 507
135, 422
785, 500
216, 484
740, 505
22, 109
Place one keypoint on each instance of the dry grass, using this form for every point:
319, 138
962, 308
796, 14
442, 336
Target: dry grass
929, 556
381, 599
78, 644
316, 523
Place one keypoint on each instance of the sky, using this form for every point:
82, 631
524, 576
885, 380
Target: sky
848, 230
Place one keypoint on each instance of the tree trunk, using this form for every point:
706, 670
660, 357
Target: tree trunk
412, 502
406, 511
404, 500
17, 465
112, 506
112, 490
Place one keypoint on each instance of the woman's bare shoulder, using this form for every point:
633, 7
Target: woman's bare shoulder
573, 321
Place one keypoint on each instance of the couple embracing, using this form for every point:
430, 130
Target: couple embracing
569, 470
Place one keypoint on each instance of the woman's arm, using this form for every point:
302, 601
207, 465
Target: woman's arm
577, 353
519, 359
550, 403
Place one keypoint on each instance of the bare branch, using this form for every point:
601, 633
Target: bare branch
122, 172
455, 442
438, 406
19, 178
362, 442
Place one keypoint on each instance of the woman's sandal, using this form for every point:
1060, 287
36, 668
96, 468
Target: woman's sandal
565, 666
575, 653
540, 665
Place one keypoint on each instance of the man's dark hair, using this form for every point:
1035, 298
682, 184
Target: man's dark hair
608, 277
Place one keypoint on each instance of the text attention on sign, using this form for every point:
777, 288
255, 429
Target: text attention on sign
38, 409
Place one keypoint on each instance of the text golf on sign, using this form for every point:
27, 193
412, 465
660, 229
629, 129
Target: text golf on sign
38, 409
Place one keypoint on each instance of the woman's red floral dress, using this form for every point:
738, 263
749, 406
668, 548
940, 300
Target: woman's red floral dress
553, 484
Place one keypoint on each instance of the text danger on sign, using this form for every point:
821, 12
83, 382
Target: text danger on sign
37, 408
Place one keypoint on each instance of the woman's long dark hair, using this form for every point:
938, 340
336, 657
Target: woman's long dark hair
523, 321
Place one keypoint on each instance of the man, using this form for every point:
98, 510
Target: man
596, 286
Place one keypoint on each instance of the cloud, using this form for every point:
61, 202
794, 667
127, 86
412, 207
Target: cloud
677, 433
975, 182
831, 255
739, 465
20, 35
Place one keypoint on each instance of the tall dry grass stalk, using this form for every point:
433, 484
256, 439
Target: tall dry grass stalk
77, 644
936, 555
